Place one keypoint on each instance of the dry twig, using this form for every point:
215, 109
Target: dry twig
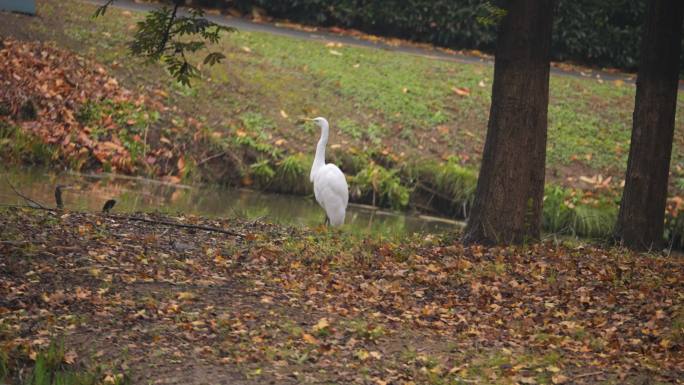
27, 199
175, 224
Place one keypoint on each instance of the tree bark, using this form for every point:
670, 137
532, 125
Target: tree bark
642, 210
510, 189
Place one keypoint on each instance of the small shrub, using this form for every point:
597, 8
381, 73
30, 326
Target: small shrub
457, 181
556, 216
256, 123
381, 186
262, 172
366, 331
447, 187
350, 128
292, 175
593, 222
566, 213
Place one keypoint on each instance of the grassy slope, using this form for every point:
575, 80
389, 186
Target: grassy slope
372, 97
393, 106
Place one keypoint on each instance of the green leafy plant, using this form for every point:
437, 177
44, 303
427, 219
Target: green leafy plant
566, 213
292, 174
593, 222
262, 172
556, 215
490, 14
448, 187
384, 186
457, 181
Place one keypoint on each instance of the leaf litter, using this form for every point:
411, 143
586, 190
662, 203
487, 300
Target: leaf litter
56, 83
289, 305
72, 104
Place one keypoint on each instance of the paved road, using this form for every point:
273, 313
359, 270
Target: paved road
247, 25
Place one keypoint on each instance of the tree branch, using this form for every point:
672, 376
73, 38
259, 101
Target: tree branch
100, 11
167, 32
27, 199
139, 219
28, 207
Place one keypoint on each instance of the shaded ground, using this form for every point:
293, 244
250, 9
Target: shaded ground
280, 305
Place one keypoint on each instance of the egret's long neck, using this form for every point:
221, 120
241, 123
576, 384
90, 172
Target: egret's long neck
319, 159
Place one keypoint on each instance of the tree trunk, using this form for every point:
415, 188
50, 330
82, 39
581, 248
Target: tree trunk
642, 210
510, 189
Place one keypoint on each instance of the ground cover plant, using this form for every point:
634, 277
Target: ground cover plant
112, 299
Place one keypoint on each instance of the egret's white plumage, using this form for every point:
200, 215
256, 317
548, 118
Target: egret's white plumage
330, 185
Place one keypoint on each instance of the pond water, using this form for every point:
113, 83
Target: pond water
89, 192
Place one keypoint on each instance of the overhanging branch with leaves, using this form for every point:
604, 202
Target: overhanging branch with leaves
167, 36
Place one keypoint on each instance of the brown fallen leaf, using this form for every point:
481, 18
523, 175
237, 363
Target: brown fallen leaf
309, 339
321, 324
70, 357
461, 91
186, 296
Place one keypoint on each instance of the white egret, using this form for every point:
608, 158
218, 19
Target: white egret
330, 185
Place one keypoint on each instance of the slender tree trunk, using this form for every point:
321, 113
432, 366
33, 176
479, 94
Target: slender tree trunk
510, 189
642, 210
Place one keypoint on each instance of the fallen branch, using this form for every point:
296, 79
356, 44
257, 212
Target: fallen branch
28, 207
27, 199
436, 193
176, 224
138, 219
229, 153
211, 157
110, 203
590, 374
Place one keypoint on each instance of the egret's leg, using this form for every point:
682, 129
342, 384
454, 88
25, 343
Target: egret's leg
327, 220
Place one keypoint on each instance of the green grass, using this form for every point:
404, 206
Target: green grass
373, 98
399, 131
53, 365
382, 186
